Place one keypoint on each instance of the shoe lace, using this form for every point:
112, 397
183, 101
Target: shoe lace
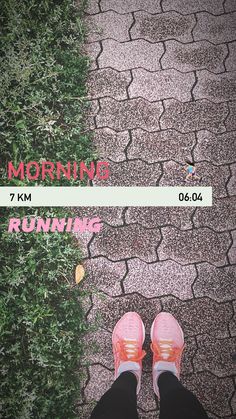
164, 350
129, 350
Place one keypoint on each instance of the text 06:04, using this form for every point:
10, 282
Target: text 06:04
190, 197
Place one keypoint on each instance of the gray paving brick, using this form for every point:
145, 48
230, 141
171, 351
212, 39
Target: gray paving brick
217, 29
156, 28
217, 177
210, 356
90, 114
217, 88
199, 316
161, 278
221, 216
231, 60
232, 250
100, 381
134, 113
126, 242
215, 283
124, 6
193, 246
192, 6
161, 85
195, 56
230, 5
110, 144
104, 275
128, 55
92, 7
110, 215
132, 173
146, 398
92, 50
214, 393
191, 116
231, 119
108, 82
151, 217
108, 25
160, 145
231, 187
109, 310
217, 149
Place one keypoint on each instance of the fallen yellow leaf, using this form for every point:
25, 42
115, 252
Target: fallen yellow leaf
79, 273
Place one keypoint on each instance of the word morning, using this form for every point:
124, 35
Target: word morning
49, 170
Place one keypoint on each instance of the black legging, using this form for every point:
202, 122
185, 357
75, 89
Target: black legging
120, 402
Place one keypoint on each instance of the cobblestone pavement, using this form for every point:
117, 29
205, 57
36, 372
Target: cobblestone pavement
162, 89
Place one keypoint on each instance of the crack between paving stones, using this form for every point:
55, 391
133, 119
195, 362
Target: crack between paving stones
131, 26
128, 85
194, 281
89, 244
160, 59
228, 180
194, 26
226, 57
100, 6
162, 173
123, 216
161, 40
162, 114
99, 54
124, 277
194, 85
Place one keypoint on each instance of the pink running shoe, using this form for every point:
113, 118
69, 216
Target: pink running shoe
167, 346
127, 341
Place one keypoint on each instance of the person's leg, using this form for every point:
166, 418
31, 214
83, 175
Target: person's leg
176, 401
120, 402
127, 340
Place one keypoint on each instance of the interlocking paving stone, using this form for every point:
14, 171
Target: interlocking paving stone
110, 310
108, 25
91, 112
160, 145
84, 411
92, 7
217, 177
215, 393
92, 50
161, 278
148, 415
217, 29
217, 88
217, 149
191, 116
108, 82
101, 375
146, 398
159, 216
129, 55
200, 316
230, 5
126, 242
195, 56
83, 240
124, 6
216, 283
98, 348
232, 183
232, 251
232, 324
220, 217
231, 120
104, 275
200, 245
192, 6
230, 63
129, 114
110, 215
111, 144
132, 173
215, 355
156, 28
190, 349
161, 85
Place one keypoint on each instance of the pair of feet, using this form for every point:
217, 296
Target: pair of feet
167, 346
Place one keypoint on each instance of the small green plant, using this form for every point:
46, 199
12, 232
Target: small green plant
43, 97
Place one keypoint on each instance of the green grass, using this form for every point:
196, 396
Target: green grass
43, 96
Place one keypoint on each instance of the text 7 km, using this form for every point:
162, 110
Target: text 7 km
20, 197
